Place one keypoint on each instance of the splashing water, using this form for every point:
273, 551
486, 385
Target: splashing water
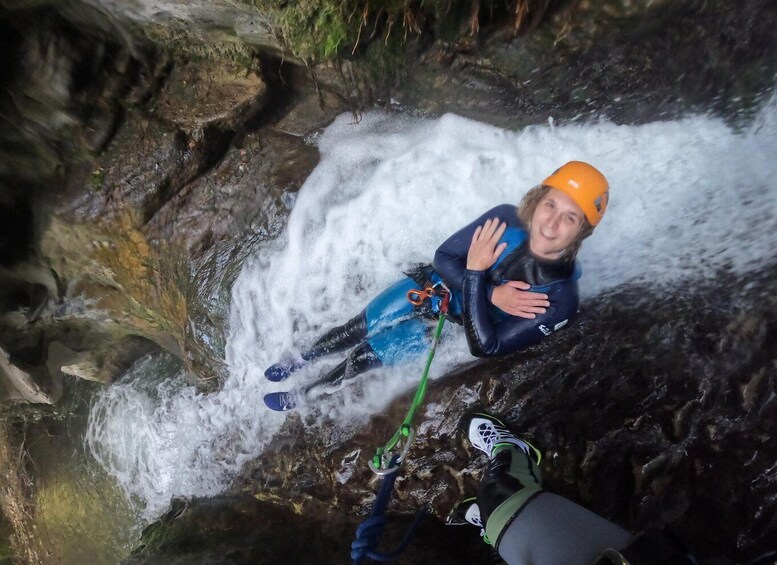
688, 197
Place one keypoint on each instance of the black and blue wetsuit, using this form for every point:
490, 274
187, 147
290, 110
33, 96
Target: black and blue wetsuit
490, 331
391, 329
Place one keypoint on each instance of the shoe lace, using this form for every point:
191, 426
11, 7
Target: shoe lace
490, 434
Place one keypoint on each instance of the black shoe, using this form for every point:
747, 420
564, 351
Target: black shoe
466, 512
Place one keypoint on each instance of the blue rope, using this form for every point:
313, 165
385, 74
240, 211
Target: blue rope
370, 530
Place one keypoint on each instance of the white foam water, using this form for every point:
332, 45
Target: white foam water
688, 197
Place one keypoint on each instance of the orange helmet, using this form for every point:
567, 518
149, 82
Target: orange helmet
585, 185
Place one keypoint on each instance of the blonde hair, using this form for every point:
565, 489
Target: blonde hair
526, 211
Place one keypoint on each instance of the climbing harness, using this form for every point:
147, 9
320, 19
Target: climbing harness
386, 465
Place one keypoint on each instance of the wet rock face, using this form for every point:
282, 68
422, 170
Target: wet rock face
118, 229
677, 428
58, 88
655, 409
632, 62
242, 529
149, 176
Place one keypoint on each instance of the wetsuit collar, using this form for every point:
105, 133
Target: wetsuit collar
523, 265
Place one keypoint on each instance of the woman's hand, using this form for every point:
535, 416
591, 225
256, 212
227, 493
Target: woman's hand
485, 248
514, 298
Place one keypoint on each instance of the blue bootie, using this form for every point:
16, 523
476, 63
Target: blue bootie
281, 371
280, 401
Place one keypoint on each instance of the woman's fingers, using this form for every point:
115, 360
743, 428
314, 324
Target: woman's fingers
476, 235
490, 230
485, 248
498, 232
534, 310
520, 285
528, 299
521, 314
495, 227
498, 251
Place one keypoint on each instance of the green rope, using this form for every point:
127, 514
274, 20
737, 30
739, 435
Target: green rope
407, 423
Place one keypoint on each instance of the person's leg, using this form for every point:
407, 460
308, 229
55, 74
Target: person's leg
393, 345
511, 480
340, 338
512, 476
524, 523
388, 308
337, 339
359, 361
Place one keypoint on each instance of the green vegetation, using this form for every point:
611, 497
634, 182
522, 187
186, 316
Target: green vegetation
377, 31
317, 30
182, 44
6, 530
97, 179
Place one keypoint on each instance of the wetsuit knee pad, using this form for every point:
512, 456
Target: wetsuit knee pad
390, 306
340, 338
360, 360
402, 342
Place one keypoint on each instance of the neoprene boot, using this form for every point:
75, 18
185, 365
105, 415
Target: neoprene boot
502, 479
467, 512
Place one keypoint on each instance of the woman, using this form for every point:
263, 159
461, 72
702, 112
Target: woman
511, 275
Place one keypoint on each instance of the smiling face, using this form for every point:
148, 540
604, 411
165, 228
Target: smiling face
555, 224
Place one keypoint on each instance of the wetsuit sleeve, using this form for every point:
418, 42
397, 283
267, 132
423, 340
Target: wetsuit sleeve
450, 259
487, 338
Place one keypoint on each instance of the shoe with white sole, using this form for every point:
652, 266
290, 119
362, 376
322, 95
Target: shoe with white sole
282, 401
487, 433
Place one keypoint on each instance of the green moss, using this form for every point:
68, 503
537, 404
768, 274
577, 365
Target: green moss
6, 530
5, 552
317, 30
182, 45
97, 179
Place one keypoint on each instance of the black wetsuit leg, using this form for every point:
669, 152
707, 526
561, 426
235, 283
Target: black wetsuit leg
511, 470
340, 338
359, 361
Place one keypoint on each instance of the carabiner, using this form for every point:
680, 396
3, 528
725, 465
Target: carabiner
386, 456
417, 297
